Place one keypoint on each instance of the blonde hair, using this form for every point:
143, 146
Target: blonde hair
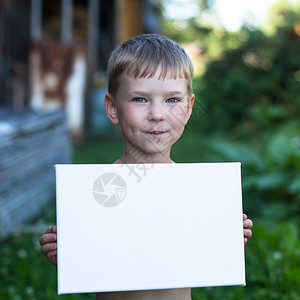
141, 56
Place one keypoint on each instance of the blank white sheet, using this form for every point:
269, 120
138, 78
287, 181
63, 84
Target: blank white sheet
139, 227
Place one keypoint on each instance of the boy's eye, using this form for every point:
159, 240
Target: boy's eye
172, 100
139, 100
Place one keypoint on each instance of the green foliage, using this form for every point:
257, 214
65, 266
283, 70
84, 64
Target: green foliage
99, 151
256, 85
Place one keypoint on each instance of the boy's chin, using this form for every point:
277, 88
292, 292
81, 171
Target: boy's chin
149, 153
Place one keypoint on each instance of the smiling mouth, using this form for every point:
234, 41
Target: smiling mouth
155, 133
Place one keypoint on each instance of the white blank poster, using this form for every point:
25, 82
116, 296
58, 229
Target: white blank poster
140, 227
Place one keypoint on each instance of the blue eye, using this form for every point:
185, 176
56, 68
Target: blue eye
172, 100
139, 100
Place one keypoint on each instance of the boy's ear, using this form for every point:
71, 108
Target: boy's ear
189, 108
111, 109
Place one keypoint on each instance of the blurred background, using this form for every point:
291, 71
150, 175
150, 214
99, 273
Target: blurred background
53, 57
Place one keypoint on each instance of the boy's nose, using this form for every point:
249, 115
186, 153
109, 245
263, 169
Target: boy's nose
157, 112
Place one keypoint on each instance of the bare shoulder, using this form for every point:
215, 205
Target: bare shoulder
170, 294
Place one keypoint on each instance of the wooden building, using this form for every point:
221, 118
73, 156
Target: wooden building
31, 142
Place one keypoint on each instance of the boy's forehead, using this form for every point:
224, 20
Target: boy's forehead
159, 72
178, 83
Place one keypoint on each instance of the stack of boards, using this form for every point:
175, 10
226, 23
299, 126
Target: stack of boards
30, 144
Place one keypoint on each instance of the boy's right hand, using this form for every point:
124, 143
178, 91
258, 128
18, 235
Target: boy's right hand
48, 242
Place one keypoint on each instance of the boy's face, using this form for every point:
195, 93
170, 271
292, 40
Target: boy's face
152, 113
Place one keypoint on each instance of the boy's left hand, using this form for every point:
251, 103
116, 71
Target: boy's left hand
247, 228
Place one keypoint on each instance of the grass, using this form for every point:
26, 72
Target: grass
272, 255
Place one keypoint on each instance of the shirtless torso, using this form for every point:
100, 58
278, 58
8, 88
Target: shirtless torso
170, 294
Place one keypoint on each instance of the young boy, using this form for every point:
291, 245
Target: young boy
150, 96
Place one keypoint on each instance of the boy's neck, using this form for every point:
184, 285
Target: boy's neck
144, 158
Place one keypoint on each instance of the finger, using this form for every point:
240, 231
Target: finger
247, 233
48, 238
51, 229
248, 224
52, 257
245, 240
45, 249
244, 217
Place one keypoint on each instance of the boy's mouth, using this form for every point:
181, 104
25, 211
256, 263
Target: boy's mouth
155, 133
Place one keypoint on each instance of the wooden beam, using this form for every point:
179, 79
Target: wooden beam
93, 47
36, 20
93, 32
129, 20
66, 21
